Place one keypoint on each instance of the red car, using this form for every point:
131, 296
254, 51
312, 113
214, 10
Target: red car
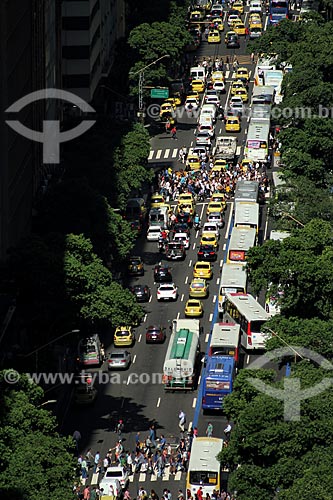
155, 334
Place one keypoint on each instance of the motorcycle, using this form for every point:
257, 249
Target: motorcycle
161, 246
197, 226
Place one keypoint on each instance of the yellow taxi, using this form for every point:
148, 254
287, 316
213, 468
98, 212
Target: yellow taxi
238, 84
233, 21
242, 74
217, 76
193, 308
228, 35
253, 16
167, 108
242, 92
199, 288
198, 85
232, 124
123, 336
219, 165
175, 101
238, 6
239, 28
220, 198
196, 15
215, 206
214, 36
157, 200
186, 197
209, 239
255, 22
193, 162
245, 164
218, 23
135, 266
193, 95
185, 207
202, 270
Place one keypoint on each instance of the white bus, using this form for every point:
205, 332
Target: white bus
241, 240
204, 468
251, 316
247, 215
233, 279
247, 191
257, 140
225, 340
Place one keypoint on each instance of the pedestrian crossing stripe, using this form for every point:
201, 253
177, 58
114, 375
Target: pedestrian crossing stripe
161, 154
144, 476
94, 479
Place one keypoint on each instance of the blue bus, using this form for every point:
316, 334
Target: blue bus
278, 10
218, 381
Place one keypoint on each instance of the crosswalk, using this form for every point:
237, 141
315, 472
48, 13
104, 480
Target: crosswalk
171, 154
141, 477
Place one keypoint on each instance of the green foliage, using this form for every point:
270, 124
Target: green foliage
35, 460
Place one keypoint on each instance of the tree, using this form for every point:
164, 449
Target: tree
35, 460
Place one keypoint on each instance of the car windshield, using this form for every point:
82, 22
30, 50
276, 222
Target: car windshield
202, 266
117, 356
166, 288
113, 473
192, 304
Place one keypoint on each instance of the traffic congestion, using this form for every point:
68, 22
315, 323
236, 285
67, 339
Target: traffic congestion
159, 407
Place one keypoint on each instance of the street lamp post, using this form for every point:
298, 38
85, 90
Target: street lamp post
47, 403
285, 214
141, 73
296, 353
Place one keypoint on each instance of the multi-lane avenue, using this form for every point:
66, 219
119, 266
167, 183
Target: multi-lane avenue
143, 402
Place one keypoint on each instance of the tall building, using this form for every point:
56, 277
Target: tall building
29, 61
90, 29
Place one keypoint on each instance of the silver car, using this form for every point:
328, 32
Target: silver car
119, 360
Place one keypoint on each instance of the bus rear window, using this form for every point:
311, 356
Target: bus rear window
256, 326
203, 478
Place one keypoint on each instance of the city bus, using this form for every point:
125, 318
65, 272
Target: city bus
247, 215
278, 10
225, 340
241, 240
233, 279
204, 468
251, 316
247, 191
257, 140
218, 379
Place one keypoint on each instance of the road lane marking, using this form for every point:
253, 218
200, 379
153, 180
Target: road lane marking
174, 153
145, 318
211, 317
228, 225
224, 246
218, 281
178, 475
266, 228
150, 298
142, 477
166, 153
214, 299
128, 380
193, 246
94, 479
178, 315
190, 264
194, 402
158, 154
238, 151
153, 477
151, 154
134, 359
247, 359
207, 337
166, 475
182, 298
266, 22
221, 262
186, 280
140, 337
189, 426
199, 379
158, 403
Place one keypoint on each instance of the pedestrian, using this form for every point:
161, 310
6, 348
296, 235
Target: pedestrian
235, 64
167, 126
200, 493
174, 133
105, 464
76, 436
86, 493
227, 431
96, 461
252, 57
153, 495
209, 430
182, 420
227, 63
93, 493
247, 32
89, 458
152, 435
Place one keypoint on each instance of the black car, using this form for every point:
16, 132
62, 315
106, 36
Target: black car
233, 42
175, 251
207, 252
141, 292
180, 227
184, 218
162, 274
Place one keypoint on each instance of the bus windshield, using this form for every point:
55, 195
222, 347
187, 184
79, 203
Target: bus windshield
279, 4
256, 326
203, 477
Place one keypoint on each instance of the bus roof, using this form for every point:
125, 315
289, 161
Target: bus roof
261, 112
243, 185
220, 366
225, 334
248, 306
203, 454
242, 238
246, 214
267, 90
258, 130
233, 275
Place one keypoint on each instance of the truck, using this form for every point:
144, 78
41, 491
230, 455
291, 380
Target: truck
225, 147
182, 360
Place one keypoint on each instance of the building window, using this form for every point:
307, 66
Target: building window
76, 52
75, 23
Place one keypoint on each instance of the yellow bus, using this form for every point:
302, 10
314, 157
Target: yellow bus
241, 240
204, 468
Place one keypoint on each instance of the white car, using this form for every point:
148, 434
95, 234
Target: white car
255, 7
111, 487
219, 86
182, 238
211, 227
212, 99
203, 139
191, 104
116, 472
233, 18
199, 150
216, 217
237, 105
167, 291
216, 11
206, 127
153, 233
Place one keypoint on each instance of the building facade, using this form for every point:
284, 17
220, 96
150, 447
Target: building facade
90, 29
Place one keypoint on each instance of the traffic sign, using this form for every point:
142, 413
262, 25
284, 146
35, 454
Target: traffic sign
159, 93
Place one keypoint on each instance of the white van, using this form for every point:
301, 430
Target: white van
210, 110
198, 73
153, 233
255, 6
